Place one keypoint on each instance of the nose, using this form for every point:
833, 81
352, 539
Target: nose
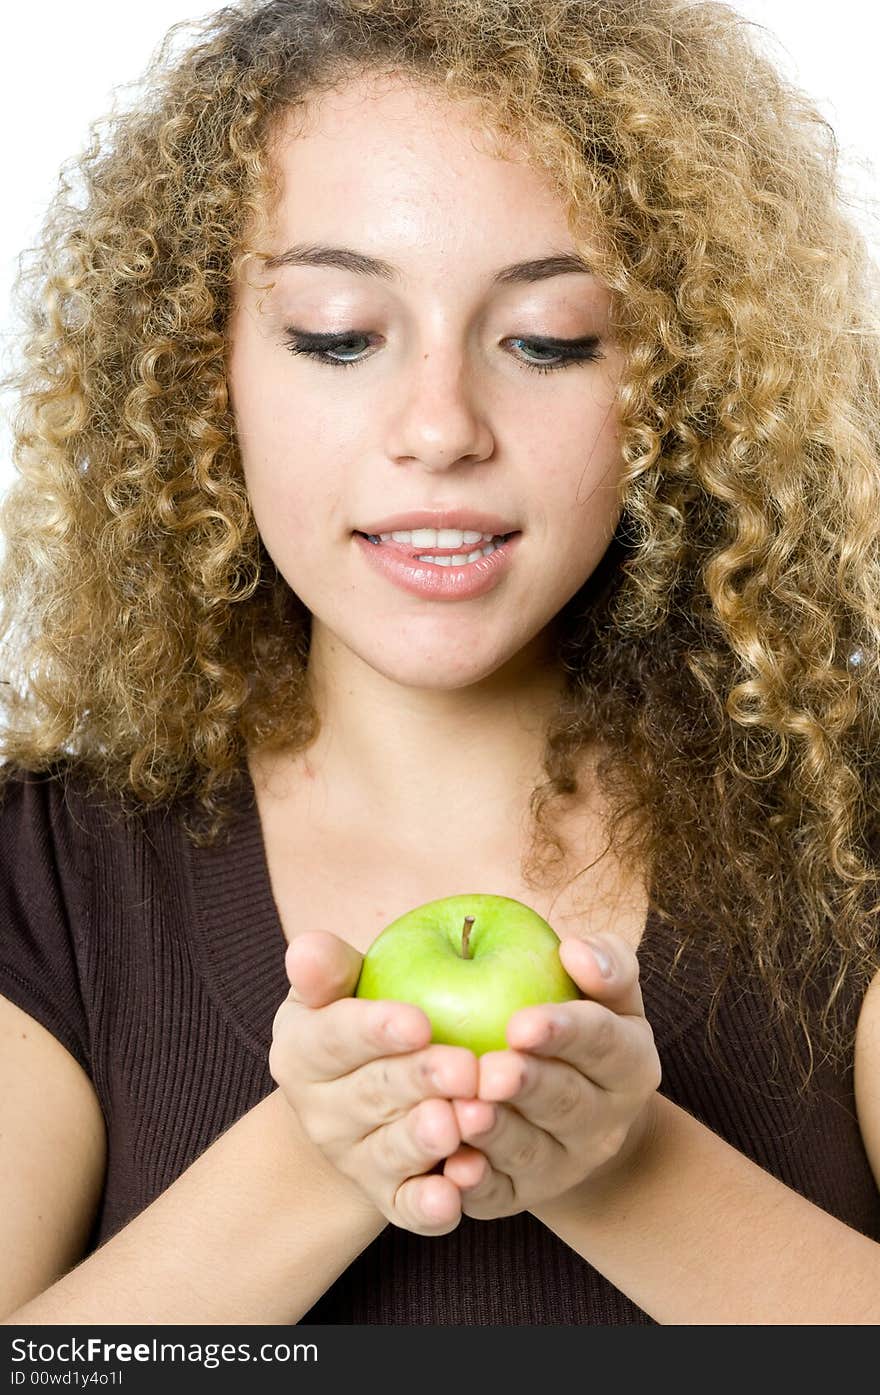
438, 423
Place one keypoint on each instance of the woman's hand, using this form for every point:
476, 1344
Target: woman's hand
367, 1087
573, 1098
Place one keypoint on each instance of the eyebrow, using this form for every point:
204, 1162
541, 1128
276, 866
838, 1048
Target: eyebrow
315, 254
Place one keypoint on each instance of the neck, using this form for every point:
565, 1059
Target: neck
435, 768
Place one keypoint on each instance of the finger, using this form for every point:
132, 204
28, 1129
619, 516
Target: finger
468, 1168
605, 968
409, 1148
413, 1144
485, 1192
386, 1088
332, 1041
510, 1145
511, 1141
428, 1205
586, 1039
549, 1096
321, 967
474, 1116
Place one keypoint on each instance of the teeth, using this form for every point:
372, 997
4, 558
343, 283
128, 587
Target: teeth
443, 537
460, 558
437, 537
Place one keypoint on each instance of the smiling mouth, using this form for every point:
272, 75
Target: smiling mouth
440, 556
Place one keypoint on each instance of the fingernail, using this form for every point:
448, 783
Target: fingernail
602, 958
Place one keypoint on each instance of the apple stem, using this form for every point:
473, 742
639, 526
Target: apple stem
465, 937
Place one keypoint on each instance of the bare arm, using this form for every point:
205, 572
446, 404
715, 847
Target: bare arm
255, 1231
696, 1233
687, 1226
52, 1157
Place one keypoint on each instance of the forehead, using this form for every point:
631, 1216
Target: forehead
394, 165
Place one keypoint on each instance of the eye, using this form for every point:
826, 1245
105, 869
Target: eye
564, 351
326, 348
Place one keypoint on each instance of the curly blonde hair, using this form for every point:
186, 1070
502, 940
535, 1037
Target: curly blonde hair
725, 648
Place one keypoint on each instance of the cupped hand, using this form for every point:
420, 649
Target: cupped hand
574, 1096
368, 1087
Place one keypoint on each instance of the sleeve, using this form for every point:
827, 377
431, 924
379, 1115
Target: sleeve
41, 902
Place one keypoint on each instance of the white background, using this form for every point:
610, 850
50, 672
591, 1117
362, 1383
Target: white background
60, 62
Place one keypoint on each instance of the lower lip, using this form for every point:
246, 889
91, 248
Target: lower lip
435, 582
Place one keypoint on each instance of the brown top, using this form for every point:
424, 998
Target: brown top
160, 967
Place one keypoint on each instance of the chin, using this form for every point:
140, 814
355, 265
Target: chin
433, 673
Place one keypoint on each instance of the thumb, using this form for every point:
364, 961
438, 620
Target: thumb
321, 967
605, 968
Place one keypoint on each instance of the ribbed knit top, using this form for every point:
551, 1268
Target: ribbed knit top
160, 966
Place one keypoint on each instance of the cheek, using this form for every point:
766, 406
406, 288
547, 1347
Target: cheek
294, 494
580, 498
271, 430
290, 449
581, 468
293, 502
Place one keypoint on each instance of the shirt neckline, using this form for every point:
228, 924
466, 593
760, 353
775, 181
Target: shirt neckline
240, 942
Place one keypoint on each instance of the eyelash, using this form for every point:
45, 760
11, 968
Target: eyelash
318, 346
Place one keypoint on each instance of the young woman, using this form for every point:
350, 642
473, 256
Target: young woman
448, 463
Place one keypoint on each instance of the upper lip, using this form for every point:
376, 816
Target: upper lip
469, 520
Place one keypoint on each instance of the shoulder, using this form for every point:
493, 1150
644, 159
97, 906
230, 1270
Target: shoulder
40, 813
60, 839
23, 789
867, 1073
49, 819
44, 904
65, 800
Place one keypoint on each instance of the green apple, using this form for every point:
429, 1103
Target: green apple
469, 962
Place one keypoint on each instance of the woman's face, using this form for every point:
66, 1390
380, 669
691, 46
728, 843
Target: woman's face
440, 408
